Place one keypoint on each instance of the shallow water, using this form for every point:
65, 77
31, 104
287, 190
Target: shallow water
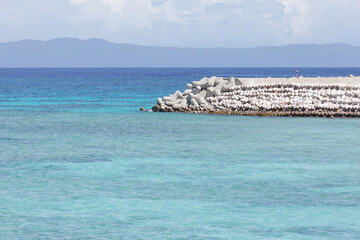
78, 161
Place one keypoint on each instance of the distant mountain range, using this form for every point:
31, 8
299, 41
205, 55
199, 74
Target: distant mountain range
70, 52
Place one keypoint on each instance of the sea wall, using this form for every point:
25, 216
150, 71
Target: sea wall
321, 96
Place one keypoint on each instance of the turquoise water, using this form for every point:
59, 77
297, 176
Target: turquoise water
79, 161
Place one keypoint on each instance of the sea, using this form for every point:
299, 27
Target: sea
78, 160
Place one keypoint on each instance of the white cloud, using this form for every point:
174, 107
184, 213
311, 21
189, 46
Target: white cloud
116, 6
118, 14
212, 2
296, 16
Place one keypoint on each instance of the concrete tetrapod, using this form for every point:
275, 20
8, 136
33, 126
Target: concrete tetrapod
317, 97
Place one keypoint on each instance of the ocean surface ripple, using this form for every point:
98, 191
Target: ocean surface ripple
79, 161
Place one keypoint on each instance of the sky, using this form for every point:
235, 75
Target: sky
184, 23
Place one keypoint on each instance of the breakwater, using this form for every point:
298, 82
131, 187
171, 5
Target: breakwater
316, 97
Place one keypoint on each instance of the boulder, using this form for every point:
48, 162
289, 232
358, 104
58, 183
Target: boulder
166, 99
220, 86
178, 94
181, 105
202, 94
156, 108
211, 82
187, 91
202, 83
218, 81
210, 92
197, 90
217, 92
194, 103
160, 101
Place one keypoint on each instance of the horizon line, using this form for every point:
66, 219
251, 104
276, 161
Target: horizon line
156, 46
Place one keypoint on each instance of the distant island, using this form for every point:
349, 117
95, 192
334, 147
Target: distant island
70, 52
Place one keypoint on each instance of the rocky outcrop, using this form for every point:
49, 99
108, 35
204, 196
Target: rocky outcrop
323, 97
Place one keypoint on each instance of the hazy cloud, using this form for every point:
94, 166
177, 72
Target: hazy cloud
197, 23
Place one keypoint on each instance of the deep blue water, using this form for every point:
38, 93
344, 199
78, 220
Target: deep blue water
79, 161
